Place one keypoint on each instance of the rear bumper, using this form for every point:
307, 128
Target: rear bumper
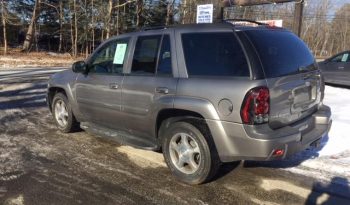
246, 142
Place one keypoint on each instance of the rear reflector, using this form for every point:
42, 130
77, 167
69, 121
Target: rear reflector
278, 153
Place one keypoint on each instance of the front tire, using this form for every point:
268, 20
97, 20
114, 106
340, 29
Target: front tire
63, 115
190, 153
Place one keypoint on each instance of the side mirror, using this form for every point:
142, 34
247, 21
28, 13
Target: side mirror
79, 67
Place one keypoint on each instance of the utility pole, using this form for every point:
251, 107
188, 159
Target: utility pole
298, 17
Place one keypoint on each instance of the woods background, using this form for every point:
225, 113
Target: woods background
78, 26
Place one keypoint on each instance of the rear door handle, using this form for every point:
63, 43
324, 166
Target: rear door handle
113, 86
162, 90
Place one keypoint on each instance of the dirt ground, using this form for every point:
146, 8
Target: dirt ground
40, 165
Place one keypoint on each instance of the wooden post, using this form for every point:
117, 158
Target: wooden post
298, 17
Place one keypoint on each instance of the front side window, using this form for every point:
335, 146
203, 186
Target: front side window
146, 55
110, 58
214, 54
342, 58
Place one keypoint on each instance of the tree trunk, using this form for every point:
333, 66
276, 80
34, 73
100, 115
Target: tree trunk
109, 16
184, 12
3, 17
61, 26
29, 36
118, 16
139, 8
75, 29
169, 13
71, 31
93, 25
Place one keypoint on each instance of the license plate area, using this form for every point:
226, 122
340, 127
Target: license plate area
304, 97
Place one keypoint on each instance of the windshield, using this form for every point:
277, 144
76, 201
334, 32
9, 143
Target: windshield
281, 52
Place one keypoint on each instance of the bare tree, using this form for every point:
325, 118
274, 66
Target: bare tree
3, 18
139, 8
170, 12
30, 32
60, 19
75, 50
109, 17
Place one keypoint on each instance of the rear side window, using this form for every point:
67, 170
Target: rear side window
214, 54
281, 53
164, 63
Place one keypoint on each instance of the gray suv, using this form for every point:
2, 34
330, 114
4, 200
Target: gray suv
202, 94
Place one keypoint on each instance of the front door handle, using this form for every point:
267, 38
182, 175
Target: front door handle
341, 68
113, 86
162, 90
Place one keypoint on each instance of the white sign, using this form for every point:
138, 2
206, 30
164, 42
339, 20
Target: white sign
276, 23
120, 53
205, 13
273, 23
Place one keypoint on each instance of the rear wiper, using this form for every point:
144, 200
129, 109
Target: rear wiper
303, 69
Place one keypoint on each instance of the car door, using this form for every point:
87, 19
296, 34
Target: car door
345, 69
335, 69
98, 92
150, 84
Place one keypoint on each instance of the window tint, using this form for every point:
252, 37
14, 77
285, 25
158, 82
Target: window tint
110, 58
164, 64
145, 55
281, 52
215, 54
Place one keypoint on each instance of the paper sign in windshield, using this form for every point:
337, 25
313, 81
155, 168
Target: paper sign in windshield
120, 53
345, 57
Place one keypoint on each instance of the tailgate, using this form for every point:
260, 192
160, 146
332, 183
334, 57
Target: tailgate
293, 97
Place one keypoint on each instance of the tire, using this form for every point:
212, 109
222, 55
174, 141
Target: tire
183, 159
65, 121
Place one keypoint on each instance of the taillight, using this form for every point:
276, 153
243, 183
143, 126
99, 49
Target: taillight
256, 106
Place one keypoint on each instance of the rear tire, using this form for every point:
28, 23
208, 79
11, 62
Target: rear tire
63, 115
190, 152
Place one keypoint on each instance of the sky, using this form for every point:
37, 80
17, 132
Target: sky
338, 4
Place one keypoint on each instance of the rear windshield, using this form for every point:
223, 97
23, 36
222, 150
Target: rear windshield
214, 54
281, 52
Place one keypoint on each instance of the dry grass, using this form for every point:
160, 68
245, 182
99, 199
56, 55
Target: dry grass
17, 59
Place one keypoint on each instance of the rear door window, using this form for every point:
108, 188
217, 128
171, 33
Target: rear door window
281, 52
145, 55
164, 62
214, 54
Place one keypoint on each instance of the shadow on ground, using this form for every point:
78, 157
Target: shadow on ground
336, 190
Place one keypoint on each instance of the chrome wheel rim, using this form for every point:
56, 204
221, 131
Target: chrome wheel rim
61, 113
185, 153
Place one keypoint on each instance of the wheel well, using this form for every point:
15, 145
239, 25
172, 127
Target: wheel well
175, 115
52, 92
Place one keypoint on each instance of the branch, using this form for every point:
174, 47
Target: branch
255, 2
123, 4
51, 5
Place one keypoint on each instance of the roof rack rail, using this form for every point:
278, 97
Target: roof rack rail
153, 28
245, 20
